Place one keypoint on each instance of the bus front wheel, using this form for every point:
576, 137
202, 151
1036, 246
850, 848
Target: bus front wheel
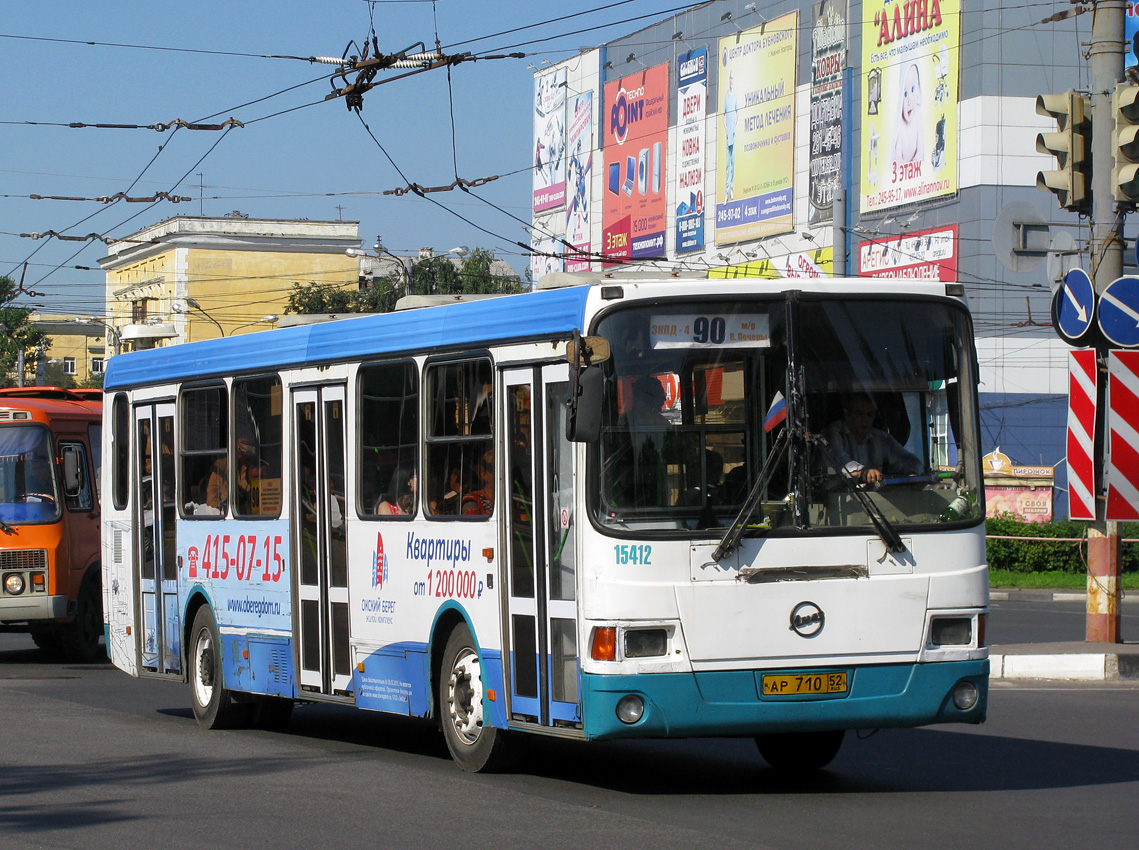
214, 705
799, 752
475, 745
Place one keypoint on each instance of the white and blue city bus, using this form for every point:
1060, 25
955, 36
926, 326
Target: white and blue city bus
613, 510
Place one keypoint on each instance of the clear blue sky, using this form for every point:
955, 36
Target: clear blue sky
316, 162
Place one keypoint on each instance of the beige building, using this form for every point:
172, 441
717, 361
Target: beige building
77, 350
190, 278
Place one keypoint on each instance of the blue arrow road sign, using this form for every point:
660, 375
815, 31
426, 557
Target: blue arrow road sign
1073, 307
1119, 312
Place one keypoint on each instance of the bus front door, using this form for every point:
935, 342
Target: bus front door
321, 541
156, 566
540, 560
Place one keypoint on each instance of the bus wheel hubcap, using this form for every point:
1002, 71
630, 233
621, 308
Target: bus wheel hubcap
464, 696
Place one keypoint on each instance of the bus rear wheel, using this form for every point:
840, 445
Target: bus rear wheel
800, 752
475, 745
214, 705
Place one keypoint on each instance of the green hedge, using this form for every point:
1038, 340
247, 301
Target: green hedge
1031, 557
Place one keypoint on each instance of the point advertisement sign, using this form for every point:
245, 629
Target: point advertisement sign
691, 132
910, 57
635, 140
755, 148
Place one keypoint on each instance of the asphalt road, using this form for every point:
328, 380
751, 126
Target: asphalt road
1036, 620
93, 759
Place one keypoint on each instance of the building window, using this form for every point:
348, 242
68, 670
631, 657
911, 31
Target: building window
69, 365
139, 311
96, 365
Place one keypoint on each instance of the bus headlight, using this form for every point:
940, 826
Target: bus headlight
630, 709
14, 584
951, 631
965, 695
645, 643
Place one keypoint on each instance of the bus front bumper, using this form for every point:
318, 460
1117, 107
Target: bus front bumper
730, 703
16, 609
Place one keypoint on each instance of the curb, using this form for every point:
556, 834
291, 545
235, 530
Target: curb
1084, 667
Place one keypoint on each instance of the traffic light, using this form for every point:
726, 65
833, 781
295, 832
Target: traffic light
1125, 144
1072, 148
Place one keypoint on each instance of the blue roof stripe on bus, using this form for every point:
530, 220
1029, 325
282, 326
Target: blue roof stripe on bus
530, 315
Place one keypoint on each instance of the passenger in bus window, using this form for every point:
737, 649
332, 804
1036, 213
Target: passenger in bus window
217, 487
449, 503
248, 478
866, 452
400, 496
479, 502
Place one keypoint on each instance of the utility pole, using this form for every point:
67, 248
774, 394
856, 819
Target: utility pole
1107, 52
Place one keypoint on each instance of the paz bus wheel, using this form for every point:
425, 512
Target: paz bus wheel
79, 639
214, 705
800, 752
475, 745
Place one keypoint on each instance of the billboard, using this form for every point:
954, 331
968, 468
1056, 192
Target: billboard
828, 60
579, 115
691, 135
910, 57
550, 141
818, 263
925, 255
635, 140
755, 146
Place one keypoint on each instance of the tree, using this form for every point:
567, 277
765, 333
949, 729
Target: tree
435, 275
313, 297
21, 335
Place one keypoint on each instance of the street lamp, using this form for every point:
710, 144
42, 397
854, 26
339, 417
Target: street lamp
272, 318
190, 302
381, 251
113, 332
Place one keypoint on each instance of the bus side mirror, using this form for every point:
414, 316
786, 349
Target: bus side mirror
72, 472
583, 425
587, 387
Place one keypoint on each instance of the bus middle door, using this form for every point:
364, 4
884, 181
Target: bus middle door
156, 554
321, 543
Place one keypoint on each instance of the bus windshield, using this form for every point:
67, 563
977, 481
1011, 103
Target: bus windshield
880, 419
28, 488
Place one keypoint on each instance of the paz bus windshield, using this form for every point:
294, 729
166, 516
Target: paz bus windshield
28, 488
698, 395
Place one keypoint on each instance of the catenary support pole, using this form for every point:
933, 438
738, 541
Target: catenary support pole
1106, 248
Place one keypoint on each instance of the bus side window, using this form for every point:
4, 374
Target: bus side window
258, 447
120, 451
459, 467
388, 438
204, 478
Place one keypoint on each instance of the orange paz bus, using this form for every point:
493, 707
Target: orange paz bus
49, 518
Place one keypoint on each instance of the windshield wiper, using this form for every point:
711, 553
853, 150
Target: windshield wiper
735, 531
877, 517
7, 529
